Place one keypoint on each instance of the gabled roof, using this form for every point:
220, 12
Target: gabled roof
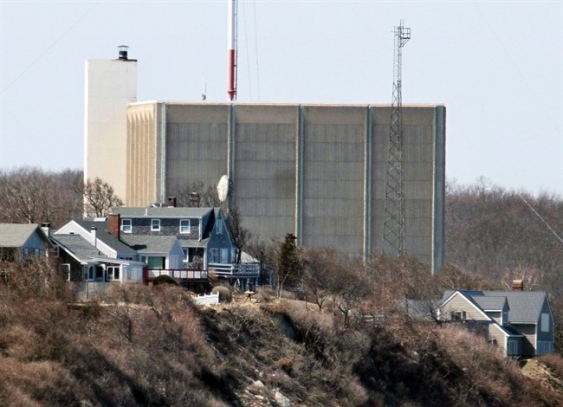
103, 235
16, 234
165, 212
150, 244
525, 306
77, 247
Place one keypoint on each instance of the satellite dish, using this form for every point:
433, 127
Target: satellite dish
223, 188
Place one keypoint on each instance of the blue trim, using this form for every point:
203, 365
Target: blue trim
367, 185
299, 176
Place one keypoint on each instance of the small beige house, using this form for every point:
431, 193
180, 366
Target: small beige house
519, 322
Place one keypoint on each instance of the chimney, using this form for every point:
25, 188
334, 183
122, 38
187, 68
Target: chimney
94, 231
517, 285
194, 199
114, 224
123, 52
46, 227
171, 201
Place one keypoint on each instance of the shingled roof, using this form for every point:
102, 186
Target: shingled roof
525, 306
16, 234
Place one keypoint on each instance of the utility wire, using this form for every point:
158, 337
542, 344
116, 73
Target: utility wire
49, 48
247, 52
542, 219
256, 50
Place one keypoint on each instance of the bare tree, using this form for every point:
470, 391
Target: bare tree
31, 195
240, 236
320, 268
99, 197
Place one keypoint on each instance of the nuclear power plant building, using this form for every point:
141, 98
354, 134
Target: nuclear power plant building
317, 171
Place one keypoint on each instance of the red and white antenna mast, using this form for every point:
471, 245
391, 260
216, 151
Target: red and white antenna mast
232, 48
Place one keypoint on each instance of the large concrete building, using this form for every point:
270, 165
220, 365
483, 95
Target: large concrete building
318, 171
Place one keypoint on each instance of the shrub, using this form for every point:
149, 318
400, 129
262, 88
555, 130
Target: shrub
225, 294
164, 279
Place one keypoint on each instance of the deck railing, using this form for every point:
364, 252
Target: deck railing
178, 274
235, 270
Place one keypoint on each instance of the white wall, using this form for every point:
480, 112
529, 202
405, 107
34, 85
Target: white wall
110, 85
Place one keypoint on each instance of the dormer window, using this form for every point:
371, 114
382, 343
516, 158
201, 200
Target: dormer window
184, 226
219, 226
155, 225
126, 226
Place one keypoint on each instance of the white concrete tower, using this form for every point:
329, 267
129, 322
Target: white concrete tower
110, 85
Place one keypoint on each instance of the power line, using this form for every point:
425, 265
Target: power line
542, 219
49, 48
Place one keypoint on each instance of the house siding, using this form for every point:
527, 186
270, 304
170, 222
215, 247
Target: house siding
168, 227
496, 316
529, 340
544, 339
497, 336
460, 303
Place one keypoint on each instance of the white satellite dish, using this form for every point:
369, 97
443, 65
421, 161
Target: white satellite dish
223, 188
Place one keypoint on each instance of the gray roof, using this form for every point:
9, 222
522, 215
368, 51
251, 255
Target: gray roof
421, 309
166, 212
16, 234
525, 306
104, 236
79, 247
490, 303
193, 243
150, 244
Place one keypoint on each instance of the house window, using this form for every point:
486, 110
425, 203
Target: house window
458, 315
186, 255
219, 226
155, 225
544, 322
213, 254
113, 273
184, 226
224, 256
126, 226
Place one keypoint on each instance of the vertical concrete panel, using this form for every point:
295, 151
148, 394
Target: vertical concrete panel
265, 168
141, 157
196, 144
422, 175
333, 177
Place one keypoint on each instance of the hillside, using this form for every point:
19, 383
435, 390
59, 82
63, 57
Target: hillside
153, 347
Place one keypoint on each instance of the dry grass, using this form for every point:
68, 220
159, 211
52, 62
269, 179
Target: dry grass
153, 346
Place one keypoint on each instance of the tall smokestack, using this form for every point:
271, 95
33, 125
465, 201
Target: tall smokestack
232, 48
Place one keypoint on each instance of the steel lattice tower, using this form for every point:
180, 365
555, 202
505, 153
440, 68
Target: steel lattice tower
394, 225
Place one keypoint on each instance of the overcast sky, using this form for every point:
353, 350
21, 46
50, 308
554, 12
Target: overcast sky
495, 65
